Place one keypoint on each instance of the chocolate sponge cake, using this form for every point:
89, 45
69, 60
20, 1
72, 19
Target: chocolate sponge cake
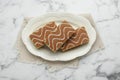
80, 37
59, 36
37, 37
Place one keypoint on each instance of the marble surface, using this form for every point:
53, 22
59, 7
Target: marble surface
102, 65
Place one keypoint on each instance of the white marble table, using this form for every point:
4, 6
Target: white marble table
102, 65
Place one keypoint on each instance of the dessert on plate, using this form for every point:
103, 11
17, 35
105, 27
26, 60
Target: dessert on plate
79, 38
62, 37
37, 37
59, 36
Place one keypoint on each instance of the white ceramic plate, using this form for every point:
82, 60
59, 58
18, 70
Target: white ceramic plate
75, 21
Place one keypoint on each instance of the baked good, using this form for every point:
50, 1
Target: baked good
37, 37
55, 39
80, 37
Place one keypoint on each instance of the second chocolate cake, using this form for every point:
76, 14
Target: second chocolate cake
59, 36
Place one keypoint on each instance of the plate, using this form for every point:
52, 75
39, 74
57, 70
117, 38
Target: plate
74, 20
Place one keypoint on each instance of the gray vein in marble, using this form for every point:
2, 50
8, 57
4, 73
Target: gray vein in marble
14, 22
70, 77
115, 76
115, 3
4, 66
52, 5
7, 78
102, 61
116, 16
98, 73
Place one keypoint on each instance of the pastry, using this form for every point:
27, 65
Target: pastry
80, 37
37, 37
55, 39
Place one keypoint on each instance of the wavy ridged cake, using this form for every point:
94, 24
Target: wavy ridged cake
37, 37
55, 39
80, 37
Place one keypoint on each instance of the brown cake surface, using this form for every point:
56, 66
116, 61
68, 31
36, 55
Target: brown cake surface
80, 37
55, 39
37, 37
